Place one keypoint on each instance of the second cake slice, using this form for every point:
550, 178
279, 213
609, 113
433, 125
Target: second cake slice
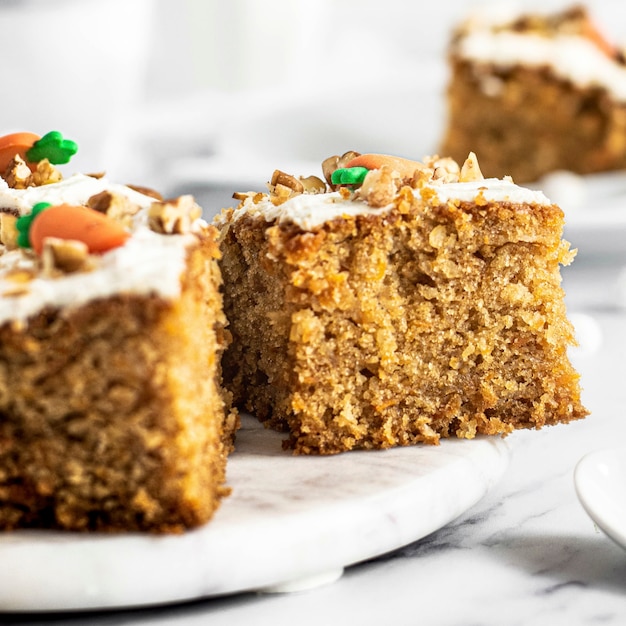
399, 302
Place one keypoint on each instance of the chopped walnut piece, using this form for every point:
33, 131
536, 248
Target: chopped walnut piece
286, 180
114, 205
256, 196
345, 193
8, 230
470, 171
380, 187
280, 194
64, 256
440, 174
146, 191
17, 174
45, 174
445, 169
313, 184
283, 186
174, 217
101, 201
243, 195
333, 163
421, 177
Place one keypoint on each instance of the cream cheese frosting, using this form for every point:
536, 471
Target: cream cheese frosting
573, 58
492, 190
148, 263
76, 189
309, 211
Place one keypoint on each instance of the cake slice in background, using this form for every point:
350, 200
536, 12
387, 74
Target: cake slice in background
396, 303
112, 413
533, 94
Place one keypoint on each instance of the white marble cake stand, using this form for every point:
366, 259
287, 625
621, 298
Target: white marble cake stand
290, 522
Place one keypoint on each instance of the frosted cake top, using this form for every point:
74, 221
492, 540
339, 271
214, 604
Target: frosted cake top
67, 241
369, 184
568, 43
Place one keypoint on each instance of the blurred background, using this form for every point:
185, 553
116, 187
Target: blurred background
210, 96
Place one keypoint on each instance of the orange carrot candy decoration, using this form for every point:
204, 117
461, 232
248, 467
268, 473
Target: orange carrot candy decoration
65, 221
405, 167
15, 144
32, 148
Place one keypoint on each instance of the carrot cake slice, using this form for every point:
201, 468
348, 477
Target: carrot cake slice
532, 94
112, 412
396, 302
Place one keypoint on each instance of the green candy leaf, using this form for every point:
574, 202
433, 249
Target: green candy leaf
349, 176
24, 222
54, 147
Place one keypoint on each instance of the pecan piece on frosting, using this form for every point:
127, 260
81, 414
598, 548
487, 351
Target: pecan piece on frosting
17, 174
283, 186
380, 187
470, 170
175, 216
313, 184
114, 205
336, 162
8, 230
64, 256
45, 174
286, 180
146, 191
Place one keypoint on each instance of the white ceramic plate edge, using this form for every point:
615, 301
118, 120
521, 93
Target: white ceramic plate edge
600, 483
258, 540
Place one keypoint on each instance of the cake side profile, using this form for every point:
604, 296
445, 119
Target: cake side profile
112, 412
396, 303
533, 94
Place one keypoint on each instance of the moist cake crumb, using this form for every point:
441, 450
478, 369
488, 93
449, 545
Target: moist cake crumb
421, 301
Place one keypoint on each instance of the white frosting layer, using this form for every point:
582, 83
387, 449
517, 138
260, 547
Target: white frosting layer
572, 58
76, 189
148, 263
492, 189
309, 211
306, 210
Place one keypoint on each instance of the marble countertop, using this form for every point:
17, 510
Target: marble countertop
525, 554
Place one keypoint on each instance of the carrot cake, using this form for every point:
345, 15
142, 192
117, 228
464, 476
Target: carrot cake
396, 302
533, 94
112, 413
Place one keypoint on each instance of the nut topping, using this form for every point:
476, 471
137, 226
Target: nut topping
63, 256
45, 174
376, 179
17, 175
8, 230
146, 191
114, 205
313, 184
380, 187
333, 163
174, 217
286, 180
470, 171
